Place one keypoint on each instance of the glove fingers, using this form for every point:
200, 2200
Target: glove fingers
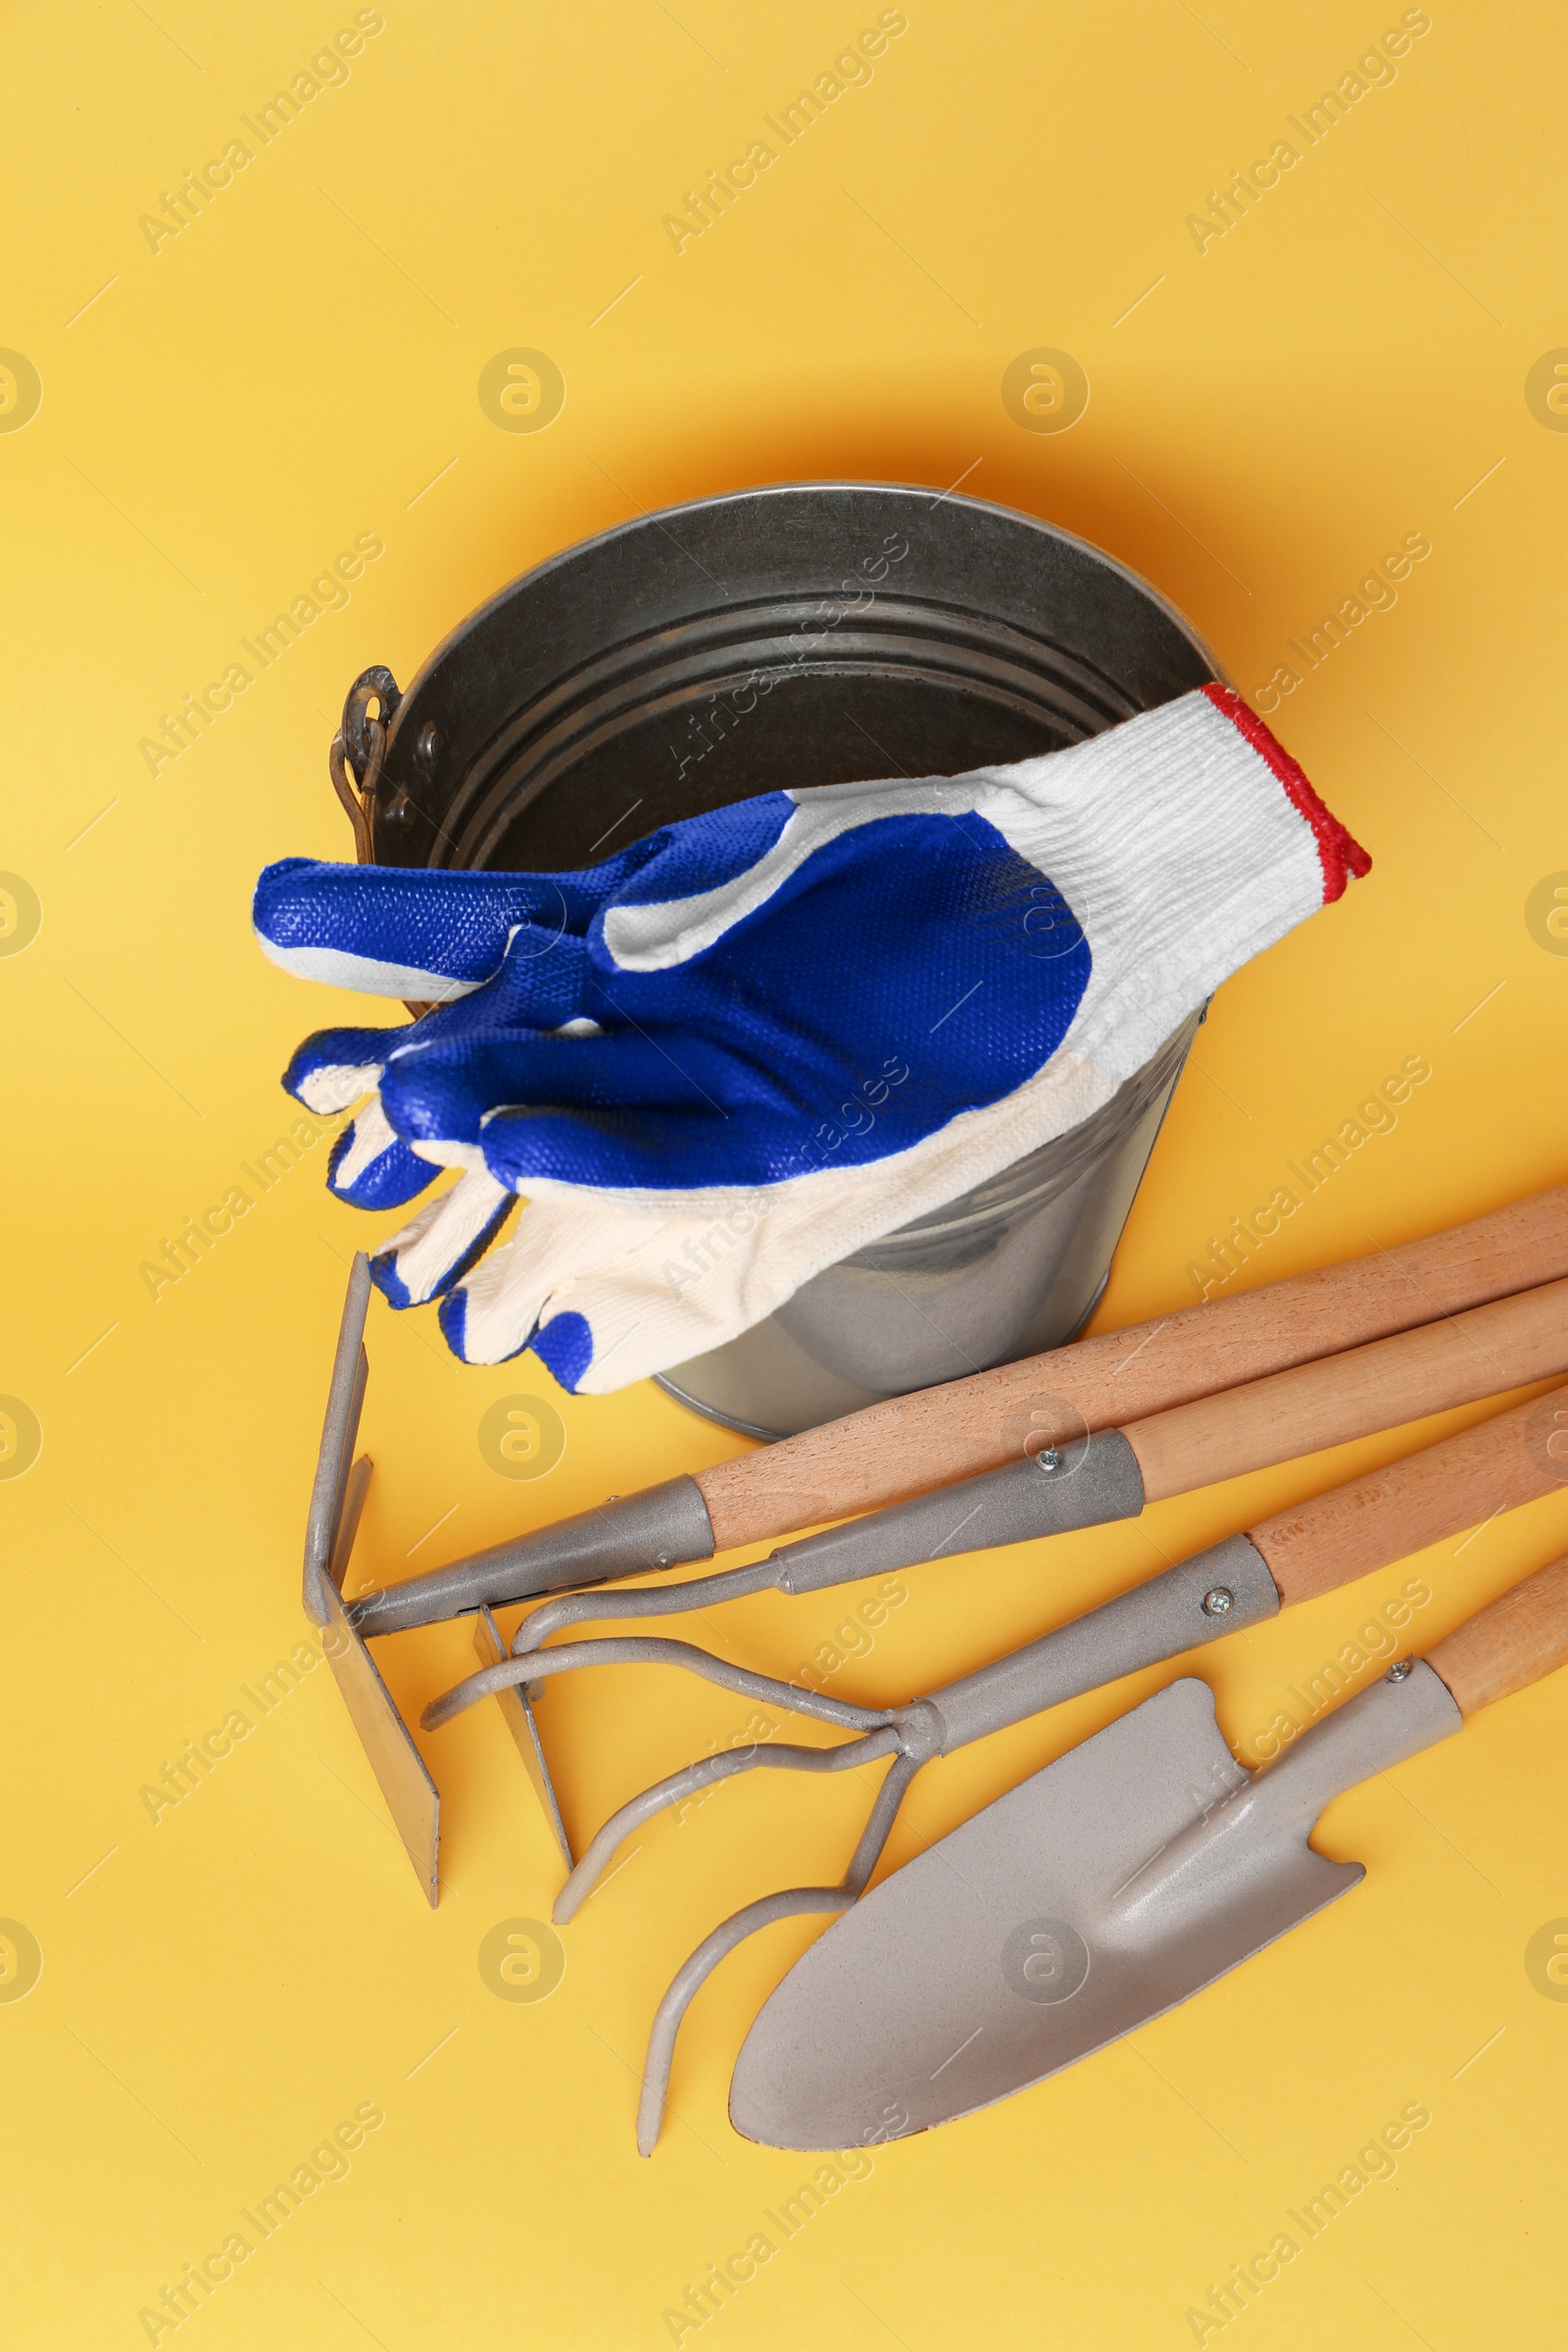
334, 1067
401, 931
670, 1291
438, 1090
637, 1150
370, 1167
490, 1318
493, 1314
394, 931
604, 1295
440, 1244
542, 985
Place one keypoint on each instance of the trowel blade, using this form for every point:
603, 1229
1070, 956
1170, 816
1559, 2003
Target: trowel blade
1024, 1941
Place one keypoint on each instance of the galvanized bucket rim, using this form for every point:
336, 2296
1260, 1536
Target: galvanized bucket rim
538, 573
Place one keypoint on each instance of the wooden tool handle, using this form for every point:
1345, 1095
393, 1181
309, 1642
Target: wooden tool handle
911, 1443
1513, 1641
1439, 1491
1466, 1356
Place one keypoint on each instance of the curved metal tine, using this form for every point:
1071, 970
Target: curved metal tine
663, 1600
726, 1938
707, 1774
643, 1650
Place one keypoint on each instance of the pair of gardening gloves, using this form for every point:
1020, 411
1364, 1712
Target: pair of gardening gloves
760, 1038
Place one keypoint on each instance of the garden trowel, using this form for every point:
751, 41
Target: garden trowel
1105, 1889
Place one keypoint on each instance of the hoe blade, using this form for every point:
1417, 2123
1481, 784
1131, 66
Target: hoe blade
337, 1499
412, 1796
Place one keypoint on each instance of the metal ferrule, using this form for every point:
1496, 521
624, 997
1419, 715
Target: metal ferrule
1216, 1592
630, 1535
1048, 1494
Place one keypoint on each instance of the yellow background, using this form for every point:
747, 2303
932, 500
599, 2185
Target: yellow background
298, 367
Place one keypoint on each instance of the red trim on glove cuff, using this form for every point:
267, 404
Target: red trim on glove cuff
1339, 853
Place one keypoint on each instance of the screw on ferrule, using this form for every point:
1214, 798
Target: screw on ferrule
1047, 1459
1218, 1602
1401, 1671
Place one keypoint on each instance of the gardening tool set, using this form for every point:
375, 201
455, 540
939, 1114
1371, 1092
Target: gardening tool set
802, 1098
1133, 1871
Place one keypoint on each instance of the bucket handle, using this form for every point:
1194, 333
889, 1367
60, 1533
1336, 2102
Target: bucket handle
354, 761
359, 748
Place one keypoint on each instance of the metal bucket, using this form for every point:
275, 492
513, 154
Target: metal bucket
810, 633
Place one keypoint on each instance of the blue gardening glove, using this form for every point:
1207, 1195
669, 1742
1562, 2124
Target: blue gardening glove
760, 1038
